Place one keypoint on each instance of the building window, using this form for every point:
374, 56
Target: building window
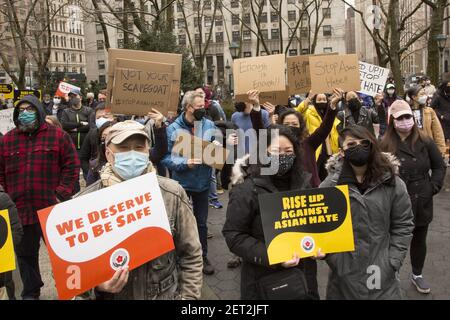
196, 6
265, 34
102, 79
275, 51
100, 45
326, 30
247, 35
207, 4
305, 51
120, 43
304, 32
64, 56
246, 18
263, 53
292, 15
219, 21
275, 34
247, 54
274, 3
273, 17
196, 22
181, 23
98, 28
208, 21
236, 36
234, 3
293, 52
81, 58
101, 64
235, 19
180, 6
197, 38
326, 12
56, 56
219, 37
181, 39
291, 1
263, 17
328, 50
74, 70
304, 16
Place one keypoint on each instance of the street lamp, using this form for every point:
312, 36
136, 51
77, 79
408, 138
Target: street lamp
441, 39
234, 49
227, 66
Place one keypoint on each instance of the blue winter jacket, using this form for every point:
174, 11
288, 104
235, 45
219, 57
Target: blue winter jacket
198, 178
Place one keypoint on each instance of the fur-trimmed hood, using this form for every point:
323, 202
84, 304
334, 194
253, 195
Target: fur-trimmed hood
239, 171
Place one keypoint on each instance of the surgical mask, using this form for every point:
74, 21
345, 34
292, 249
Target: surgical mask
358, 155
27, 117
100, 122
199, 114
56, 101
130, 164
321, 105
404, 125
140, 120
390, 91
354, 104
422, 100
428, 82
284, 162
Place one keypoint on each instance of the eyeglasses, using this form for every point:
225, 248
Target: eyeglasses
354, 143
404, 117
29, 109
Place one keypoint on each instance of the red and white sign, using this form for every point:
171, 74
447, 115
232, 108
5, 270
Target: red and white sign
90, 237
64, 89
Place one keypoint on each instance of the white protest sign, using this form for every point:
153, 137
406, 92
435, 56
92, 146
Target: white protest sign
373, 78
6, 120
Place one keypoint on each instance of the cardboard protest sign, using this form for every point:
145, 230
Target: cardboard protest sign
298, 74
90, 237
6, 120
334, 71
19, 94
274, 97
156, 57
140, 86
7, 258
193, 147
64, 89
373, 78
305, 220
266, 74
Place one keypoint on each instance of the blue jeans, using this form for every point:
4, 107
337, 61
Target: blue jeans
200, 208
213, 187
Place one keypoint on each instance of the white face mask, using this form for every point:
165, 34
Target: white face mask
422, 100
56, 101
391, 91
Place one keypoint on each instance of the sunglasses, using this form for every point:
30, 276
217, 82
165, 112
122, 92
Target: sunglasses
354, 143
404, 117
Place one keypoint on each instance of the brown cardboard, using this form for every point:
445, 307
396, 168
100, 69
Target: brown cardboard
266, 74
140, 86
192, 147
161, 57
334, 71
274, 97
298, 74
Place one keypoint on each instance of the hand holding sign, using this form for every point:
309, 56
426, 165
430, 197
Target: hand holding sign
253, 97
337, 96
270, 108
116, 283
157, 116
291, 263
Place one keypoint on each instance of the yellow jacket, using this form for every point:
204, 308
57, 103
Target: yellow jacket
313, 121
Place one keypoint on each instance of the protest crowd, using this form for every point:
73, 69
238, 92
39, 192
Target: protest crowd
391, 151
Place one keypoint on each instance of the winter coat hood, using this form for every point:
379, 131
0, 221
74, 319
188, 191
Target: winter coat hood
34, 101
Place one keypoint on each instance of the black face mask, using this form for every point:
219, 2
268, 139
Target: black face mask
321, 105
199, 114
354, 104
358, 155
296, 131
283, 161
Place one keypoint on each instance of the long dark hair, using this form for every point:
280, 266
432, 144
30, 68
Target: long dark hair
296, 173
101, 148
377, 163
301, 121
391, 139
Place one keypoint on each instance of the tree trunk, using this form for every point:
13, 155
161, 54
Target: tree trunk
437, 23
394, 57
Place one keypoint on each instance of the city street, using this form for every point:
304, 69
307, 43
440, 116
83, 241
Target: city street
224, 283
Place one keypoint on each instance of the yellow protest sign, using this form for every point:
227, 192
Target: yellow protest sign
7, 259
303, 221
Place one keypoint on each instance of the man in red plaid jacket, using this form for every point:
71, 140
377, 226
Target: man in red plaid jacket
38, 168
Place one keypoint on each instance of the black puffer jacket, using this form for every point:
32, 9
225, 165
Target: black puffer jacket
441, 104
71, 122
243, 229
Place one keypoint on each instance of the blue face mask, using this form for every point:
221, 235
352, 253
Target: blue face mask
100, 121
140, 120
27, 117
131, 164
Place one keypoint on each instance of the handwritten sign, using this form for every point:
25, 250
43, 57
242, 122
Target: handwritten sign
265, 74
298, 74
373, 78
147, 56
303, 221
274, 97
140, 86
328, 72
90, 237
6, 120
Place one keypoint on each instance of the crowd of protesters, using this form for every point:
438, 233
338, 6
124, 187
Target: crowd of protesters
389, 150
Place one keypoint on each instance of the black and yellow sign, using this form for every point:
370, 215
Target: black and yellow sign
7, 260
19, 94
303, 221
6, 88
